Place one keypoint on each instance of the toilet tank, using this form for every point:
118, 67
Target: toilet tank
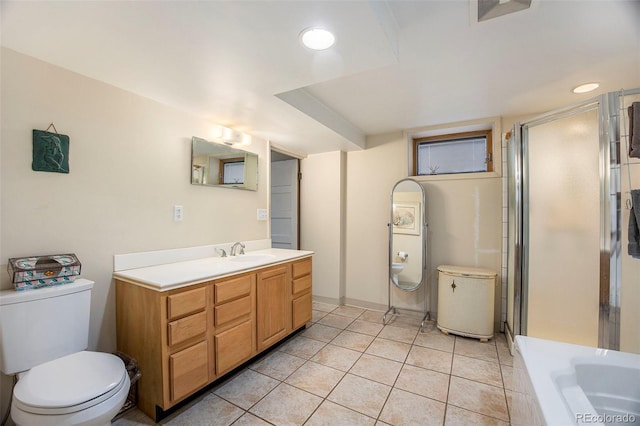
44, 324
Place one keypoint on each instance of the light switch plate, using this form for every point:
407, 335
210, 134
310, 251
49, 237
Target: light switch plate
263, 214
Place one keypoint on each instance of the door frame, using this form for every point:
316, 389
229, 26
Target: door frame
292, 156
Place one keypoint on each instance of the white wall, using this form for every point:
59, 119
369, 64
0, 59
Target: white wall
464, 218
371, 175
322, 222
129, 164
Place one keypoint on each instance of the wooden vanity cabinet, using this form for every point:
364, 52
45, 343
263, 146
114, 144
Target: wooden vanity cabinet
186, 338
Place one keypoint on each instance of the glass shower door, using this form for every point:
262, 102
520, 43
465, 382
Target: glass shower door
562, 170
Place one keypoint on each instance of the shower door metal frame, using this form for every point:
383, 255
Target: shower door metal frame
608, 316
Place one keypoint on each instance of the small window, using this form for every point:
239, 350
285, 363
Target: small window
231, 171
451, 154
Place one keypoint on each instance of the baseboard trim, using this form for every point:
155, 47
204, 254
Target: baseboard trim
351, 302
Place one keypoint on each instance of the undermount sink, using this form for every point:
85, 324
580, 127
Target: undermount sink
257, 257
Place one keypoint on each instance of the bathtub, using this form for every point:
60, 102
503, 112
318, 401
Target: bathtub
563, 384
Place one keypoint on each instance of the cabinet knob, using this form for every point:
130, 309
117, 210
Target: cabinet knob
453, 286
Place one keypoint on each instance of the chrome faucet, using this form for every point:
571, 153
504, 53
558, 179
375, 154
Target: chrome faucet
221, 252
235, 246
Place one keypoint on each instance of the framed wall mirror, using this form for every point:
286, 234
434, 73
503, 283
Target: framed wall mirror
214, 164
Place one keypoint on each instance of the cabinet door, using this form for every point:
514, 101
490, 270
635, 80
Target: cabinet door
188, 370
273, 305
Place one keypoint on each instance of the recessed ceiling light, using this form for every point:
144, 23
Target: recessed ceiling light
587, 87
317, 38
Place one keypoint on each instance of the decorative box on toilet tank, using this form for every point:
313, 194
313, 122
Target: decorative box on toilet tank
466, 301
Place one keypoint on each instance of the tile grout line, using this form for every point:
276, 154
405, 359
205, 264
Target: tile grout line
450, 374
404, 363
325, 398
446, 406
376, 336
281, 382
355, 362
465, 378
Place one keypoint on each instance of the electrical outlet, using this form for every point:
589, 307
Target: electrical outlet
177, 213
263, 214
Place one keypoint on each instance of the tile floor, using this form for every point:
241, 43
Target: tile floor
350, 369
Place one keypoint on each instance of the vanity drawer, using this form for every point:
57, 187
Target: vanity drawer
301, 310
185, 328
301, 268
232, 310
301, 284
185, 303
233, 346
232, 288
188, 370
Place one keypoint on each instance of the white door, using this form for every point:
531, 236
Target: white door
284, 204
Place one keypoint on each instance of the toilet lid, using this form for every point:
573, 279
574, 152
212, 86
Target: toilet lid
70, 381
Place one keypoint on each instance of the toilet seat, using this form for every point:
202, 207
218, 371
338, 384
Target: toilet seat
69, 384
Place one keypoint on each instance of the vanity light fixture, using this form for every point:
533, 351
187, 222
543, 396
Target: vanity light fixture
229, 136
584, 88
317, 38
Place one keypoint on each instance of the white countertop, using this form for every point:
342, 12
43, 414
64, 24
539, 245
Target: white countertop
169, 276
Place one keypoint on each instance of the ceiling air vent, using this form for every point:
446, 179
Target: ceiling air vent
489, 9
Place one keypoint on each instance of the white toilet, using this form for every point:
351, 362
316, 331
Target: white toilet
396, 268
44, 335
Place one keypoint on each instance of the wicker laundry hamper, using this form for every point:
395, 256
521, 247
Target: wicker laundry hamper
134, 375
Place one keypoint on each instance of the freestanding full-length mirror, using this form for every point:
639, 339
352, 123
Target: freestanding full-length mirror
214, 164
407, 240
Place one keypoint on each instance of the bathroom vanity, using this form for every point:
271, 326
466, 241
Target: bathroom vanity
189, 323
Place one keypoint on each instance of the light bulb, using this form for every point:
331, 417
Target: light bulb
317, 38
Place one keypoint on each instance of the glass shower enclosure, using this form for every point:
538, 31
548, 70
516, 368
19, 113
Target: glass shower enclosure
564, 216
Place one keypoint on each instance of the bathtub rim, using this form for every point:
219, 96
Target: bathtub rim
543, 359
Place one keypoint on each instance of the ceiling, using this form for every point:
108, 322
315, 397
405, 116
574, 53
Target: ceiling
395, 65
